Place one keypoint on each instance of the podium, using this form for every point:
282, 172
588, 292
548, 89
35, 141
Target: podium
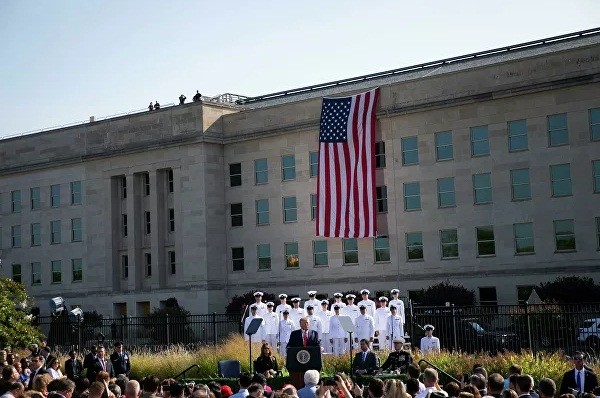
301, 359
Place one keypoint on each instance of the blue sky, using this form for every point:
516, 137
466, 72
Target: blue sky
64, 61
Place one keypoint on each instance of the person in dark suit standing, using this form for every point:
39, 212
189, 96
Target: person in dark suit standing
365, 361
88, 362
579, 378
121, 360
73, 366
304, 337
102, 364
37, 368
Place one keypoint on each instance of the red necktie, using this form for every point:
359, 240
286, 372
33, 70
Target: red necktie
305, 338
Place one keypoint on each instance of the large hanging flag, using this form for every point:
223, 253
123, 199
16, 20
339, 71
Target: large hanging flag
346, 181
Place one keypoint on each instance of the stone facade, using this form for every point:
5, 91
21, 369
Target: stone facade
177, 164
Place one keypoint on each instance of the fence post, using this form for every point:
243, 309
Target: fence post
214, 323
79, 336
528, 326
454, 328
168, 330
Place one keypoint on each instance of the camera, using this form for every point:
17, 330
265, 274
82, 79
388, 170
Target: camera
329, 382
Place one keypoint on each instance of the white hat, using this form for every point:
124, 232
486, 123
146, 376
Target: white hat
324, 302
383, 298
394, 291
428, 326
365, 291
399, 340
253, 307
296, 299
312, 292
350, 296
258, 294
338, 294
283, 295
270, 304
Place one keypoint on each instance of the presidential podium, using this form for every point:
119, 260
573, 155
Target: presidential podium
301, 359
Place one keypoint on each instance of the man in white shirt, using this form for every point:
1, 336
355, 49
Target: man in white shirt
365, 327
259, 336
296, 312
283, 305
325, 315
338, 338
396, 302
350, 309
271, 325
430, 379
429, 343
312, 300
261, 308
286, 326
394, 328
369, 304
381, 316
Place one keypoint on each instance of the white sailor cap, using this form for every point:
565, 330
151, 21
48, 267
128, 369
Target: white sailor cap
350, 296
336, 307
392, 307
310, 307
296, 300
253, 307
399, 340
283, 295
394, 291
324, 302
285, 311
338, 295
270, 304
428, 327
258, 294
383, 298
362, 306
312, 292
365, 291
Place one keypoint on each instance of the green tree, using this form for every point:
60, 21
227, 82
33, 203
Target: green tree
15, 321
445, 292
570, 289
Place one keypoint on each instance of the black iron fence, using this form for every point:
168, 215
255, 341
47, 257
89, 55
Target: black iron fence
538, 327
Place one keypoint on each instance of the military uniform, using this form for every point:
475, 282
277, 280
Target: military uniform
398, 361
296, 312
271, 326
395, 329
312, 301
325, 315
350, 309
337, 300
283, 306
259, 336
338, 337
285, 329
365, 328
261, 308
381, 315
430, 343
370, 304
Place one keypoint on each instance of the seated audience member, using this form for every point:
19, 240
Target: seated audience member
62, 386
452, 388
547, 388
472, 390
413, 371
40, 383
150, 387
525, 385
477, 380
244, 382
311, 379
13, 390
394, 389
514, 369
226, 391
255, 391
412, 387
96, 390
430, 379
495, 385
266, 363
375, 388
365, 361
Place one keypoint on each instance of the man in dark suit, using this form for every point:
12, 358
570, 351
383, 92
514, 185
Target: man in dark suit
89, 360
48, 357
120, 360
365, 361
578, 378
37, 368
102, 364
304, 337
73, 366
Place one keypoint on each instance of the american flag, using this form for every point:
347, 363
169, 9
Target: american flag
346, 181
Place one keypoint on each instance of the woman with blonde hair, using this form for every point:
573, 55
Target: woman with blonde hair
394, 389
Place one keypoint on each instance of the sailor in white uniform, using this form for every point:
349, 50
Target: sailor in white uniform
395, 328
261, 308
337, 300
271, 325
297, 312
338, 338
286, 325
369, 304
365, 326
396, 302
325, 315
316, 304
315, 322
381, 316
429, 343
259, 336
350, 309
283, 305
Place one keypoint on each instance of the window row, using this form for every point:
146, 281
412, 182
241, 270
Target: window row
145, 181
147, 225
56, 272
171, 264
523, 239
35, 233
35, 199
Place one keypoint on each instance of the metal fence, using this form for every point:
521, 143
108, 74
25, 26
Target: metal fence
537, 327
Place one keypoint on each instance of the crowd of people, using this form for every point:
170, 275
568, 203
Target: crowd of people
196, 98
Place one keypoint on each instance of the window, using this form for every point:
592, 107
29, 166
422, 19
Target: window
288, 167
17, 273
124, 225
264, 256
148, 262
77, 269
410, 151
485, 241
488, 296
291, 255
124, 187
76, 234
261, 171
595, 124
446, 197
517, 135
36, 234
449, 242
596, 170
382, 205
34, 194
560, 174
524, 238
55, 232
56, 269
519, 182
380, 155
262, 211
147, 223
172, 263
36, 273
15, 235
480, 145
237, 257
235, 174
597, 233
564, 235
124, 266
314, 163
414, 246
55, 195
15, 197
558, 134
482, 188
350, 248
171, 220
147, 184
320, 253
170, 181
290, 211
313, 206
76, 192
237, 216
382, 249
412, 196
443, 146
